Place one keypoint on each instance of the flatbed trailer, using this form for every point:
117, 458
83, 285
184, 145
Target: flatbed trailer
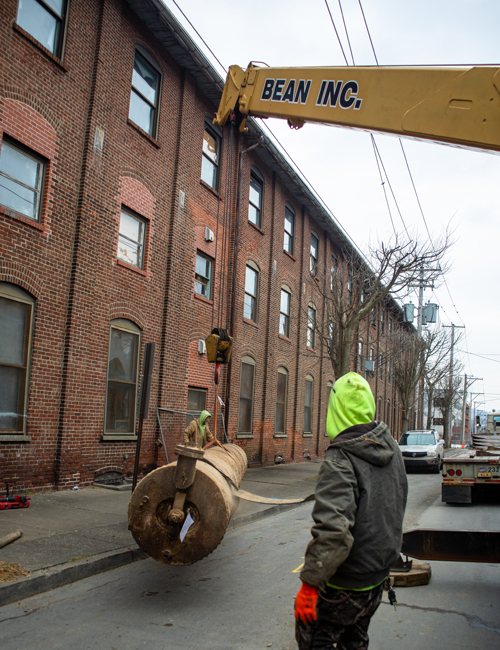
465, 471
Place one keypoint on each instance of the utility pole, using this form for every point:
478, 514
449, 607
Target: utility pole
467, 385
447, 433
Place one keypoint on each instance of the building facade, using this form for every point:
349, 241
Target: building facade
126, 217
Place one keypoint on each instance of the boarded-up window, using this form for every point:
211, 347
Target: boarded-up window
281, 394
245, 410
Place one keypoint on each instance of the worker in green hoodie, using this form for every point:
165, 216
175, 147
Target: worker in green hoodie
358, 523
197, 431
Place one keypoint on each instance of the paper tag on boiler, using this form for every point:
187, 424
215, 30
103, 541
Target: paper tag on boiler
187, 525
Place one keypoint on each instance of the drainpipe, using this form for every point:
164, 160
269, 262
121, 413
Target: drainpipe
235, 270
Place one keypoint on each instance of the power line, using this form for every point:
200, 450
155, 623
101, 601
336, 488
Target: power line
336, 32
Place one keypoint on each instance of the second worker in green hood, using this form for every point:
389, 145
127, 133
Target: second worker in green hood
197, 431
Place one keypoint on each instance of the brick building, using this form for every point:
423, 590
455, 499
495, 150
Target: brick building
120, 206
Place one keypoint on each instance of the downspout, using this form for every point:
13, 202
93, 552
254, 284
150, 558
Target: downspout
235, 269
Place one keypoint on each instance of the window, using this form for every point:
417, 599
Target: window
389, 376
372, 354
16, 325
313, 259
308, 403
251, 292
131, 239
333, 271
349, 288
382, 320
311, 327
281, 394
144, 98
203, 276
45, 21
245, 410
21, 176
390, 324
255, 200
388, 413
373, 318
381, 366
196, 403
289, 229
210, 158
360, 356
286, 298
123, 367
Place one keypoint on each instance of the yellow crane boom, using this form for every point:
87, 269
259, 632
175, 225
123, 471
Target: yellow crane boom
459, 106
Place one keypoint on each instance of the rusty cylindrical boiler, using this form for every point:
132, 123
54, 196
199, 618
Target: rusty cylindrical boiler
200, 486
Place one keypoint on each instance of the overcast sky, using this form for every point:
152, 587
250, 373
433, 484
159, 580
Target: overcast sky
455, 187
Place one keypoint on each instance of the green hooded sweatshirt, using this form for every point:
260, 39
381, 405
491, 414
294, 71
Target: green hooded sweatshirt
351, 402
204, 415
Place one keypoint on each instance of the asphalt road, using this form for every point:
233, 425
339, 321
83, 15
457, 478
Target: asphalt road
241, 596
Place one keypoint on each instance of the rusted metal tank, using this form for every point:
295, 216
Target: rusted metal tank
200, 486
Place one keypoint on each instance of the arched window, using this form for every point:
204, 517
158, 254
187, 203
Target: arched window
16, 327
281, 399
308, 404
247, 383
123, 372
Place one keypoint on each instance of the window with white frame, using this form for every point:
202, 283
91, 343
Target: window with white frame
203, 275
360, 356
389, 371
16, 329
382, 319
255, 199
289, 230
210, 157
308, 404
381, 366
145, 94
245, 408
132, 238
281, 398
123, 373
313, 256
311, 327
251, 291
21, 178
45, 20
285, 303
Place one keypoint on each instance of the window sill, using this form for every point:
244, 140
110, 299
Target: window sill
309, 349
124, 437
20, 217
241, 436
14, 437
39, 47
206, 301
280, 435
307, 435
210, 189
251, 322
148, 137
257, 228
131, 267
284, 338
290, 256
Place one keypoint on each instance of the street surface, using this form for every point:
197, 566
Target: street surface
241, 596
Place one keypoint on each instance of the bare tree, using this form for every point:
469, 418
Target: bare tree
358, 285
415, 357
448, 396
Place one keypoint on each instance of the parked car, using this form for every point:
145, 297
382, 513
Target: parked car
422, 448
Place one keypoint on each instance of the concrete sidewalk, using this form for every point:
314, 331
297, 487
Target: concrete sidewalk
74, 534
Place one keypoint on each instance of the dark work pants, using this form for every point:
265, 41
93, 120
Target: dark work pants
343, 618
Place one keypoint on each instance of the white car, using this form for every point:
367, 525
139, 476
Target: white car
422, 448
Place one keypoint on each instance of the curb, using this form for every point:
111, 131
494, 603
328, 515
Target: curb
63, 574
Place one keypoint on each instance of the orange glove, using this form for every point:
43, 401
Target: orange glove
305, 603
